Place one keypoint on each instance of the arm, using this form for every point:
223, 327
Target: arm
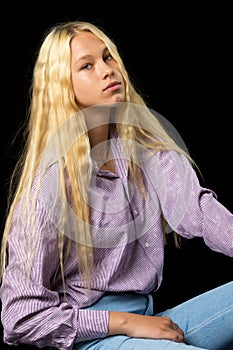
140, 326
34, 310
190, 209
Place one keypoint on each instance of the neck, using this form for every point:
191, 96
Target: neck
97, 121
98, 136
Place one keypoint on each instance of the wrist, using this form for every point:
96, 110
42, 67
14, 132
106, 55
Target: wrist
118, 322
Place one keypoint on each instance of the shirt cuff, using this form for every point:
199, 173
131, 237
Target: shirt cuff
92, 324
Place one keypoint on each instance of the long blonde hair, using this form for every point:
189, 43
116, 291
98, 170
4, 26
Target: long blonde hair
52, 103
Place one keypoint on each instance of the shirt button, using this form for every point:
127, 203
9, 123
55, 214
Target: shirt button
147, 245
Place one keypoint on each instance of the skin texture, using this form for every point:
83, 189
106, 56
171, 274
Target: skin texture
97, 80
141, 326
93, 69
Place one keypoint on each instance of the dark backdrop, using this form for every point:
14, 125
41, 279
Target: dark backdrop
179, 57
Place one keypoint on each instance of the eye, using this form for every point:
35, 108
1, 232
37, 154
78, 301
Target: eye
86, 66
107, 57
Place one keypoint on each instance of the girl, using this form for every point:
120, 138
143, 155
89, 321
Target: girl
99, 183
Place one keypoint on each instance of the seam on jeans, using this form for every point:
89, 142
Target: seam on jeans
220, 313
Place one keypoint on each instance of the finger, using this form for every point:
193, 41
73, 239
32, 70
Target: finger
177, 328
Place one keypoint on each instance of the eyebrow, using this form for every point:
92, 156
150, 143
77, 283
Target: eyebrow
86, 57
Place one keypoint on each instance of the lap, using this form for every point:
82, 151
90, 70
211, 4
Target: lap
127, 343
207, 321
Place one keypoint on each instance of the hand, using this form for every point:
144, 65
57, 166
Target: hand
141, 326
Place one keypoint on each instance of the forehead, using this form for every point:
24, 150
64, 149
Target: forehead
86, 43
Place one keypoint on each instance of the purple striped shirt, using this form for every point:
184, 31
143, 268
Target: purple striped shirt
128, 247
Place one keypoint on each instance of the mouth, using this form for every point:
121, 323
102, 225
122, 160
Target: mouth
112, 86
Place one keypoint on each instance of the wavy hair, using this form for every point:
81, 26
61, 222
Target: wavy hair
52, 102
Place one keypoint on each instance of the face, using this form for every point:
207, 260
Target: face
96, 77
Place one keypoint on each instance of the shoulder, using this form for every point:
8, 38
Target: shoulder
168, 161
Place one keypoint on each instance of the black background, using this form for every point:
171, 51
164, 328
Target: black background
180, 58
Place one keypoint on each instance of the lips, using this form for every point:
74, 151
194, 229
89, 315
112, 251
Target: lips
112, 85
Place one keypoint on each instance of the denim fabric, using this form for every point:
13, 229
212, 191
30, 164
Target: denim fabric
207, 321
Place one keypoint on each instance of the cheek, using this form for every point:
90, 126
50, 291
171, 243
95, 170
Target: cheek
81, 87
85, 93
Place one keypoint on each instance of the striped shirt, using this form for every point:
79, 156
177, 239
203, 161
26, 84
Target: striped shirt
128, 246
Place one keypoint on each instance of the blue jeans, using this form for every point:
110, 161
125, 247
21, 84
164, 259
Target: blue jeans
207, 322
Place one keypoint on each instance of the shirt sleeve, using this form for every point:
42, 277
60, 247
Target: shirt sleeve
33, 311
190, 209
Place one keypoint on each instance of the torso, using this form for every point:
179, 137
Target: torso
109, 165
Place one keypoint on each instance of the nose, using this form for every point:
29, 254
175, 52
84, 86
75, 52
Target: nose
104, 70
